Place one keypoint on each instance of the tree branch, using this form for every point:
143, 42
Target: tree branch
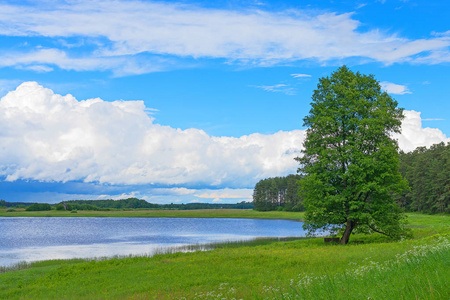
378, 231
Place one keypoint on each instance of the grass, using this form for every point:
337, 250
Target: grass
197, 213
418, 268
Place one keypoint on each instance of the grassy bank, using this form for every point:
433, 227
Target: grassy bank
197, 213
418, 268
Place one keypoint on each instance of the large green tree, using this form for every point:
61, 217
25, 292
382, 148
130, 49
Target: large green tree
350, 161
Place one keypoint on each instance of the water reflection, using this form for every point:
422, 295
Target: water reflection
33, 239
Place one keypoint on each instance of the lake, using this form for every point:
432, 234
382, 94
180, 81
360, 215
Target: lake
34, 239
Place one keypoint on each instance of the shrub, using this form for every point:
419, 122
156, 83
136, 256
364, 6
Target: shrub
39, 207
59, 207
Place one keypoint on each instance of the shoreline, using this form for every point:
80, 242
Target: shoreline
227, 244
200, 213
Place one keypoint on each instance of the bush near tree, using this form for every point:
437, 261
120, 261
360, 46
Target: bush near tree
39, 207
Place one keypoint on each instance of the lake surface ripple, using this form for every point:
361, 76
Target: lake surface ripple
34, 239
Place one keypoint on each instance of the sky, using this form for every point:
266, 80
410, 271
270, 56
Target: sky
196, 101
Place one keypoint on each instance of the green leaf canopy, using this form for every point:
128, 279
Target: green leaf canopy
350, 161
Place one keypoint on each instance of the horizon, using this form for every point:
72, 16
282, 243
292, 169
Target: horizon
192, 101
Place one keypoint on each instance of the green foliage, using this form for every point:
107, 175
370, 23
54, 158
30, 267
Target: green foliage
39, 207
428, 173
129, 203
134, 203
4, 203
192, 206
78, 206
59, 207
349, 160
278, 193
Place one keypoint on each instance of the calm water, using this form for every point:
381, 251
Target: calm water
32, 239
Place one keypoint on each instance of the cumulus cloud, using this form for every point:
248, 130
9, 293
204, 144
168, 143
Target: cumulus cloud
414, 135
118, 197
7, 85
393, 88
226, 195
132, 37
49, 137
53, 138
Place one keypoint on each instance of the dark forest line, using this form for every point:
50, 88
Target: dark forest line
428, 173
130, 203
426, 169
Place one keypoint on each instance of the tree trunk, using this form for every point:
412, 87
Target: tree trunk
347, 232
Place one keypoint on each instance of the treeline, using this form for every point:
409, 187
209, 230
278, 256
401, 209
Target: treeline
123, 204
134, 203
188, 206
6, 204
426, 169
129, 203
278, 193
428, 174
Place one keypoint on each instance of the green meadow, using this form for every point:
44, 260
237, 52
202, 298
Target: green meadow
369, 267
146, 213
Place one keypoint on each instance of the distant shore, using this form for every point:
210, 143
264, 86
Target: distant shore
138, 213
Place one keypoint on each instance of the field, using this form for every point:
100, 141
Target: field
370, 267
143, 213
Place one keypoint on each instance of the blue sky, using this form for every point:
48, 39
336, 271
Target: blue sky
182, 101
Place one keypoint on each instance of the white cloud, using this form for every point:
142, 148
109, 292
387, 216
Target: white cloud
393, 88
7, 85
129, 37
446, 33
414, 135
300, 75
226, 193
39, 68
40, 60
176, 191
435, 119
53, 138
277, 88
49, 137
361, 5
121, 196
